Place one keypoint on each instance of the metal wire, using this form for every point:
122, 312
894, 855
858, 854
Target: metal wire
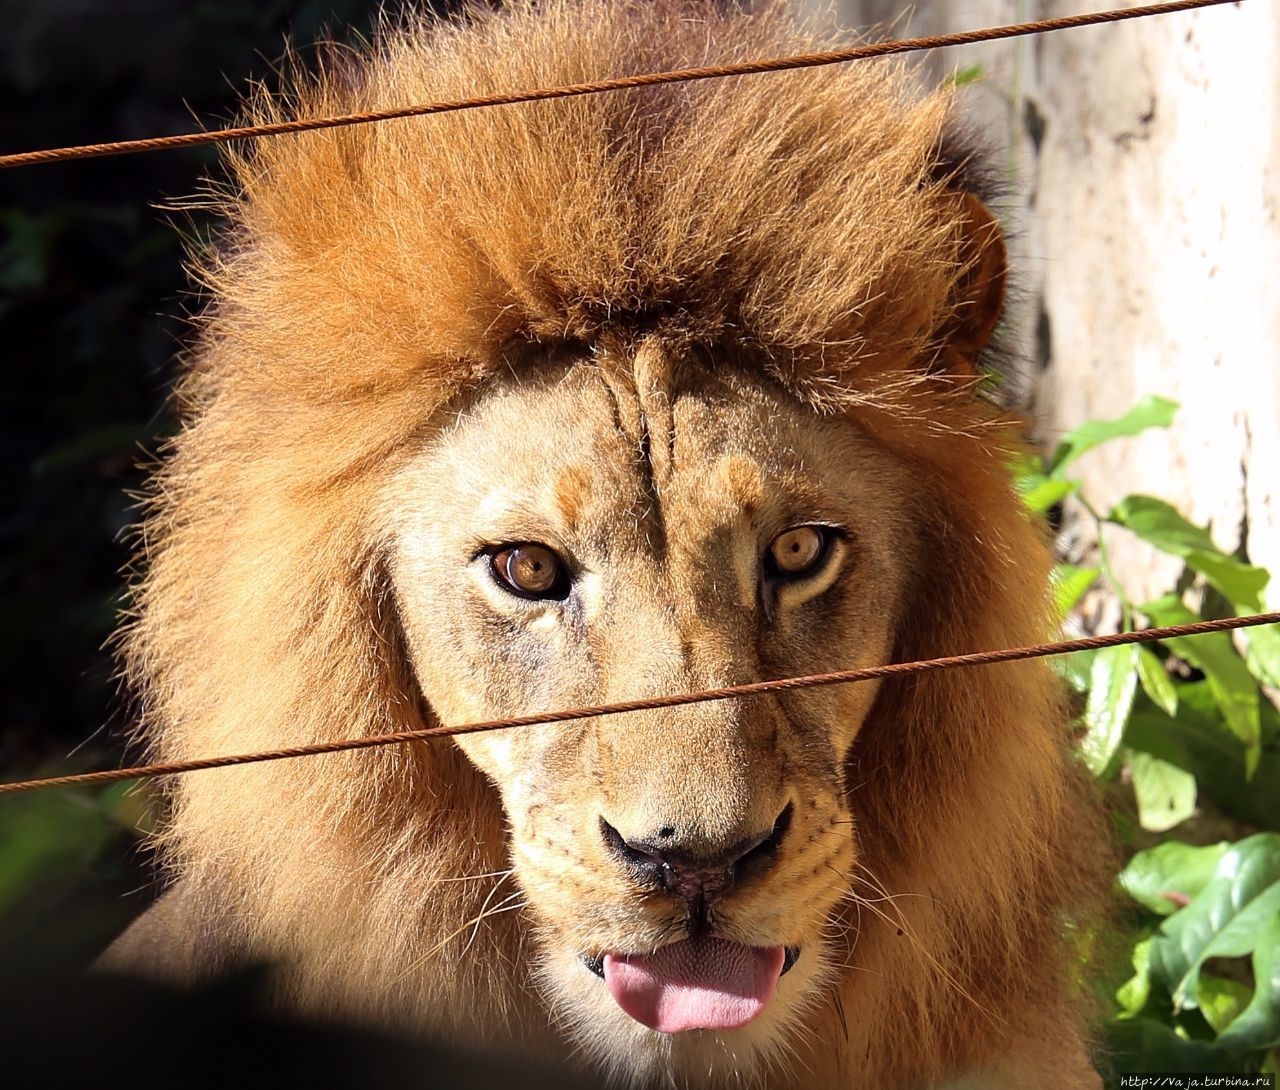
755, 688
652, 79
809, 60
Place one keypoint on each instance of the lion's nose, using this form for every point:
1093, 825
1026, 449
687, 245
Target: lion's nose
659, 861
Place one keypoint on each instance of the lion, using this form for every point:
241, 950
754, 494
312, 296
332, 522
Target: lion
580, 401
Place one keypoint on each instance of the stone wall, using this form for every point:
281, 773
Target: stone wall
1144, 166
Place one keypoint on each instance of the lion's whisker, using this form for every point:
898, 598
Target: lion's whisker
505, 905
486, 912
476, 877
903, 925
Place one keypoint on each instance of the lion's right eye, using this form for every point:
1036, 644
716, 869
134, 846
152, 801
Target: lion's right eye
798, 552
531, 571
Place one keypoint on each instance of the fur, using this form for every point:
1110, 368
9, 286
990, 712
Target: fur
807, 231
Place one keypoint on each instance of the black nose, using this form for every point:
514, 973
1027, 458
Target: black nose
698, 879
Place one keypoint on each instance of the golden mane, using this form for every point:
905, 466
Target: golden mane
803, 223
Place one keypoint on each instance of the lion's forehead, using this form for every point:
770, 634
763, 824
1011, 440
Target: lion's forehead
558, 448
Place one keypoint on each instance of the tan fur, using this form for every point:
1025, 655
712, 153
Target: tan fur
651, 330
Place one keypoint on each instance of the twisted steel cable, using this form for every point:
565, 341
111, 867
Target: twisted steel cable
651, 79
755, 688
809, 60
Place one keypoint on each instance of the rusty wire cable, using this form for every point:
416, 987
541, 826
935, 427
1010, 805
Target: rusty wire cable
652, 79
755, 688
809, 60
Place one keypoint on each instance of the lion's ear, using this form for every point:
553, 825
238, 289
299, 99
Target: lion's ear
979, 292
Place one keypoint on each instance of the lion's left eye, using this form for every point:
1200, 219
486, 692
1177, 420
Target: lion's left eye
799, 552
531, 571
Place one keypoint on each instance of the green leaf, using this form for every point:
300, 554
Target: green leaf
1150, 412
43, 839
1161, 524
27, 248
1228, 677
1241, 583
1258, 1025
964, 76
1172, 875
1221, 1000
1023, 463
1263, 659
1040, 493
1113, 679
1143, 1044
1166, 794
1069, 584
99, 443
1075, 668
131, 803
1133, 994
1200, 742
1232, 915
1156, 683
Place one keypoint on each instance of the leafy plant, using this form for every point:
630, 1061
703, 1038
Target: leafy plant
1185, 727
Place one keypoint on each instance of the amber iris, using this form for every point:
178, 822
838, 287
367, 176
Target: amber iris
798, 552
530, 570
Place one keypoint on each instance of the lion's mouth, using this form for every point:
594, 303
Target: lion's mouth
698, 983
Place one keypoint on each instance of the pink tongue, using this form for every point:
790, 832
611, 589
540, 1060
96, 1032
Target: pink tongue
695, 984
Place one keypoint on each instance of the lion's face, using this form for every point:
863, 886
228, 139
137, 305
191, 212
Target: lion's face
563, 540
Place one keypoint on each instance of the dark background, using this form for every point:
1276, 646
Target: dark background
92, 303
92, 294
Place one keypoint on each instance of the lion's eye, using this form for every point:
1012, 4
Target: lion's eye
799, 552
532, 571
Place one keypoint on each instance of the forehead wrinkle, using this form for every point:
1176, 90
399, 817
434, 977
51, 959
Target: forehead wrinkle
654, 372
638, 385
557, 442
619, 384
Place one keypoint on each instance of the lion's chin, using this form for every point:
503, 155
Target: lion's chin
696, 983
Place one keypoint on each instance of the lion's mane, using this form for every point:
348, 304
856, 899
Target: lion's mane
797, 222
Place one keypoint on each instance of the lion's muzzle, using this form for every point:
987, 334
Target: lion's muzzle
703, 981
699, 878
